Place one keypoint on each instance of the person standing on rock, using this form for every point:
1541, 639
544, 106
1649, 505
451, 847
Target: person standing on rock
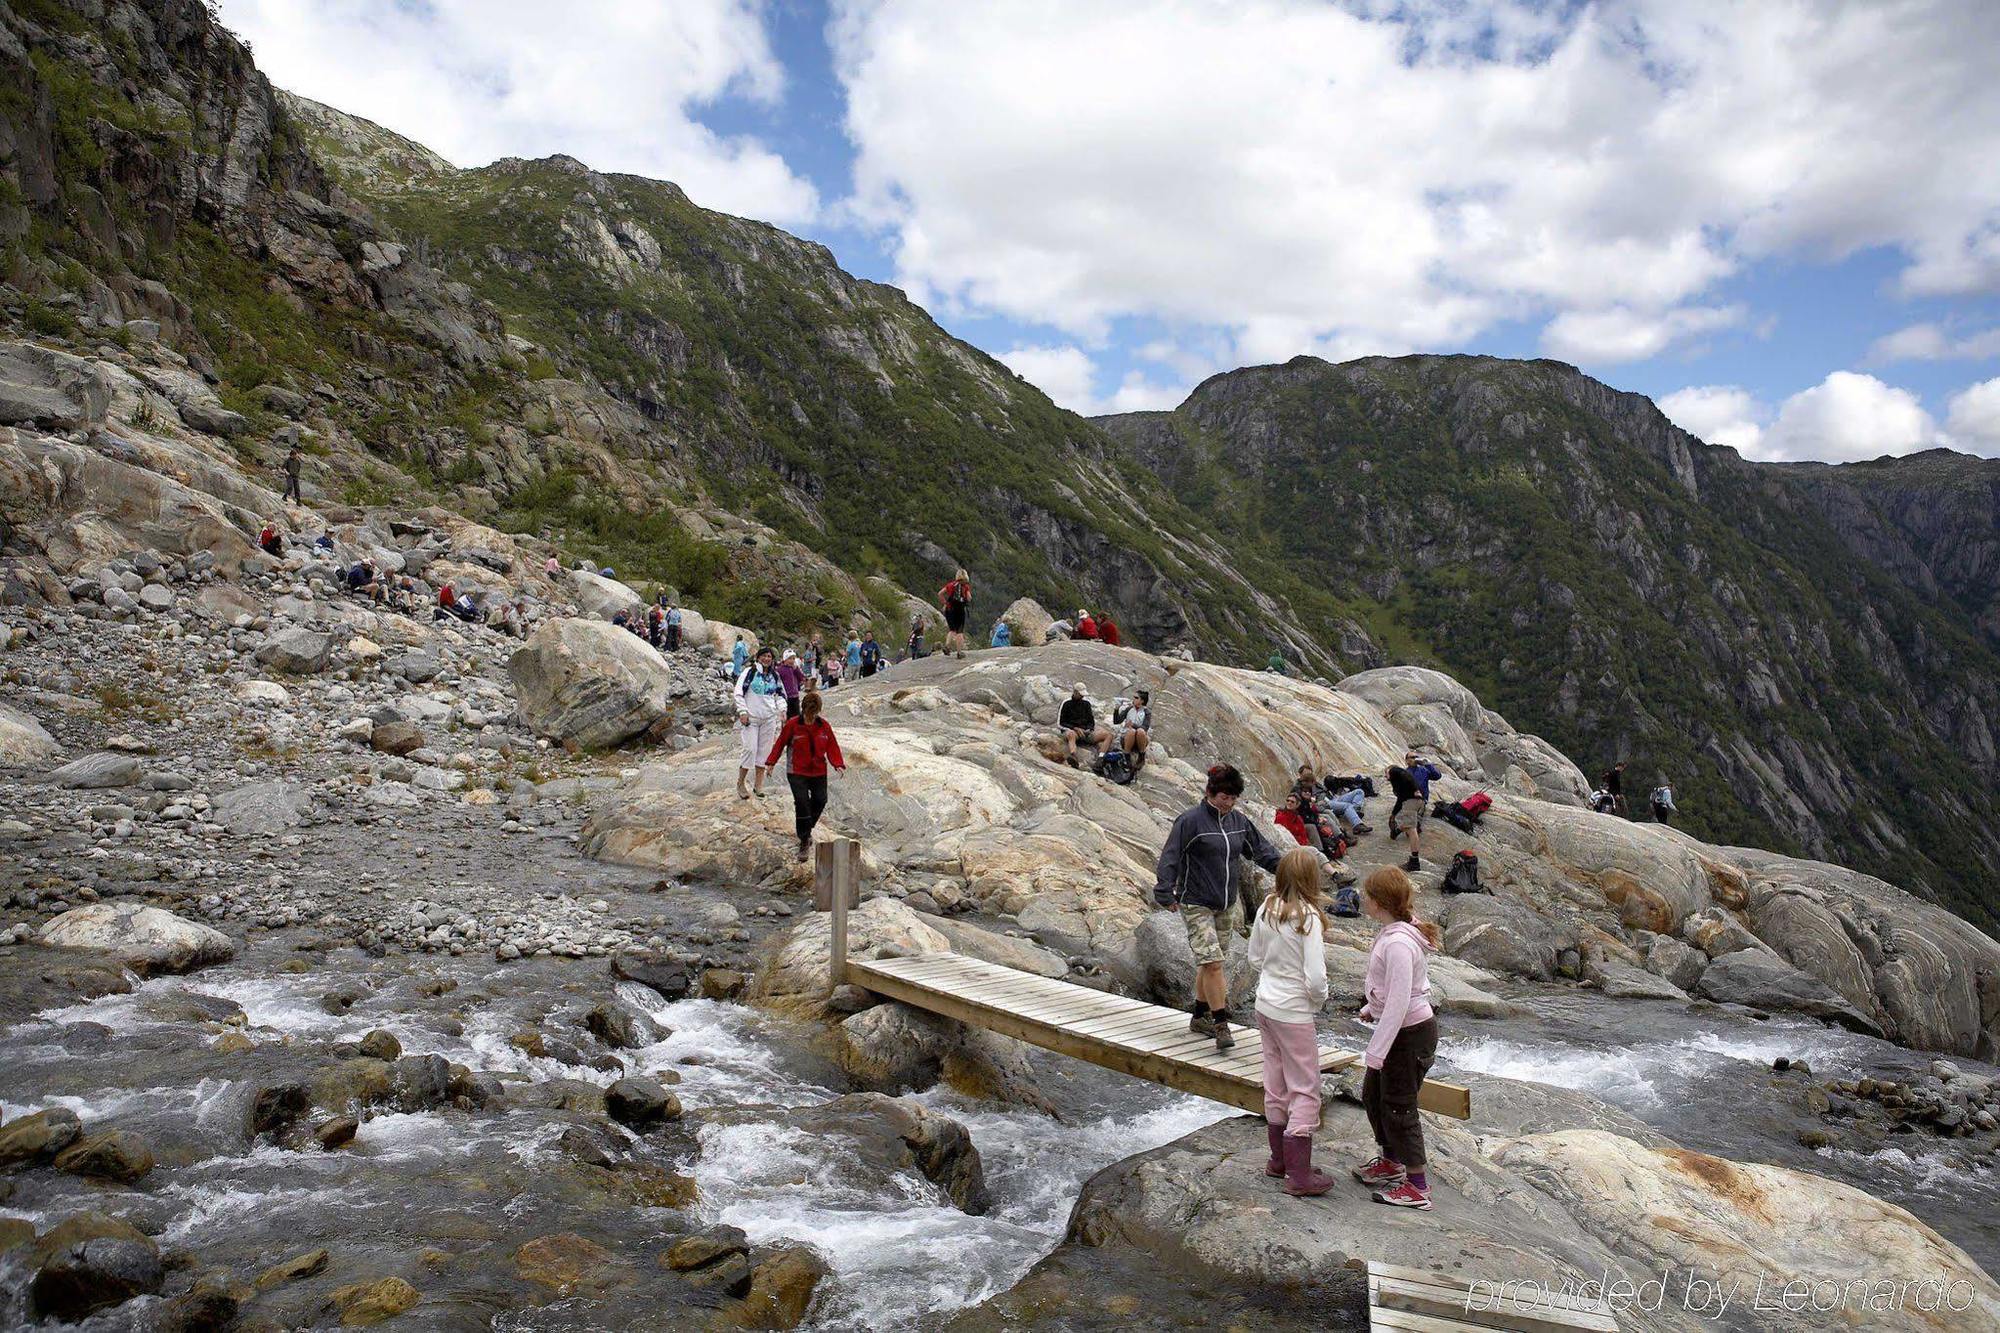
1397, 1001
1409, 788
955, 600
793, 680
1288, 949
739, 657
294, 460
871, 655
1663, 803
810, 746
1613, 783
853, 655
1197, 876
760, 710
674, 622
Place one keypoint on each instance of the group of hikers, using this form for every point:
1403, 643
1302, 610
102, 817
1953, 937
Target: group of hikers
1609, 797
406, 594
1198, 877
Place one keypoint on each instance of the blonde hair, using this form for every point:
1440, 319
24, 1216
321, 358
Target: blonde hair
1391, 890
1296, 901
963, 577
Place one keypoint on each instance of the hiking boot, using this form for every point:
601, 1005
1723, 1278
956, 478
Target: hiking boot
1363, 828
1413, 865
1275, 1168
1201, 1022
805, 848
1380, 1171
1301, 1181
1394, 832
1223, 1038
1403, 1195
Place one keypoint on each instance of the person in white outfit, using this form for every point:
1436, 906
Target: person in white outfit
760, 711
1288, 949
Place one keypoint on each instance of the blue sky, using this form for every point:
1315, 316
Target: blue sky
1782, 221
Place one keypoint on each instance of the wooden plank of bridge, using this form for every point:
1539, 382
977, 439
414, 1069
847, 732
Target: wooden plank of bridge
1148, 1041
1413, 1301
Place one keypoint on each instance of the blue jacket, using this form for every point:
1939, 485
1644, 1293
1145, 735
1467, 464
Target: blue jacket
1424, 772
739, 656
1003, 637
1198, 865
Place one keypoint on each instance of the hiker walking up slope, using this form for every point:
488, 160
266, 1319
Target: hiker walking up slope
955, 600
810, 747
1197, 876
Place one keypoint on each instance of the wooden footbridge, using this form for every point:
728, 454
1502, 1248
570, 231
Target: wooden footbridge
1147, 1041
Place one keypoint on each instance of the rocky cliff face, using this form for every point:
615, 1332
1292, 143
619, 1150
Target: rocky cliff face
1633, 593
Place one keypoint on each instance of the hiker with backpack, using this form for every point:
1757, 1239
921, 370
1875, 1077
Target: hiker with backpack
760, 711
1399, 1055
915, 648
1197, 876
955, 600
1409, 789
809, 745
739, 657
1613, 783
1288, 949
1663, 803
1077, 721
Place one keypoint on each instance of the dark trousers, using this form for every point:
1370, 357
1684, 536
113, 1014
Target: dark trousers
292, 489
673, 638
1662, 815
792, 709
808, 802
1389, 1094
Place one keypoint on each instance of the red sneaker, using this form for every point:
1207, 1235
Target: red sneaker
1379, 1171
1404, 1195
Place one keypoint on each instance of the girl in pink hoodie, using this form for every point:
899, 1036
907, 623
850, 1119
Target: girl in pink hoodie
1405, 1040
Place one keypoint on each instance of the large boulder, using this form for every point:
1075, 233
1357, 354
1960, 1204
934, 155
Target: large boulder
1166, 964
1762, 981
262, 809
37, 1137
106, 768
298, 651
1443, 719
796, 975
89, 1262
599, 598
43, 387
146, 939
894, 1048
1501, 935
1027, 621
590, 682
23, 741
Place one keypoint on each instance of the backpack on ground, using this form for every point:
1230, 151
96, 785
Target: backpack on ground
1452, 813
1115, 766
1476, 804
1346, 901
1463, 876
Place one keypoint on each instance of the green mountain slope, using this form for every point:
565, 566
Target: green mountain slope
1622, 588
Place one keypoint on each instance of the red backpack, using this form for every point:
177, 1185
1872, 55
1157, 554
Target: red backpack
1476, 804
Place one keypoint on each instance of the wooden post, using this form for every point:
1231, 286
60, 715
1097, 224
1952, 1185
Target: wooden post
836, 888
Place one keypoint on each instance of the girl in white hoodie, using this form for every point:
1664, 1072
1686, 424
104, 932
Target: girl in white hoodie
1288, 949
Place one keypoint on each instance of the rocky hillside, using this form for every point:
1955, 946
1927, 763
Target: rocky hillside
1631, 592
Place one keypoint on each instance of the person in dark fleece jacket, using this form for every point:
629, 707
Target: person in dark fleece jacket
1198, 875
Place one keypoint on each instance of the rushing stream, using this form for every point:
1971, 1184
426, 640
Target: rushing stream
899, 1253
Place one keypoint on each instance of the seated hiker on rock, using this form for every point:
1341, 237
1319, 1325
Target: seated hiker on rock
1078, 722
1399, 1056
1292, 821
1288, 949
1002, 635
1663, 803
364, 581
1107, 630
1198, 875
1603, 802
269, 539
760, 710
1135, 721
810, 746
1086, 625
1058, 630
1346, 805
1410, 790
1276, 662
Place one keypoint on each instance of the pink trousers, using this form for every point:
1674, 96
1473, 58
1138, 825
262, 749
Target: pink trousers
1291, 1074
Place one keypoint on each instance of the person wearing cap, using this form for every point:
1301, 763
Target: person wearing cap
1078, 722
1086, 625
793, 680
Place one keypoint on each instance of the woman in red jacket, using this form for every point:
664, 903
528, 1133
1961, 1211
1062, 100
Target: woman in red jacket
808, 743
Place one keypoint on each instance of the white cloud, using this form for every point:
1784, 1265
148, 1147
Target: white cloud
1845, 418
1302, 175
1601, 337
1067, 375
1719, 414
615, 85
1973, 418
1931, 342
